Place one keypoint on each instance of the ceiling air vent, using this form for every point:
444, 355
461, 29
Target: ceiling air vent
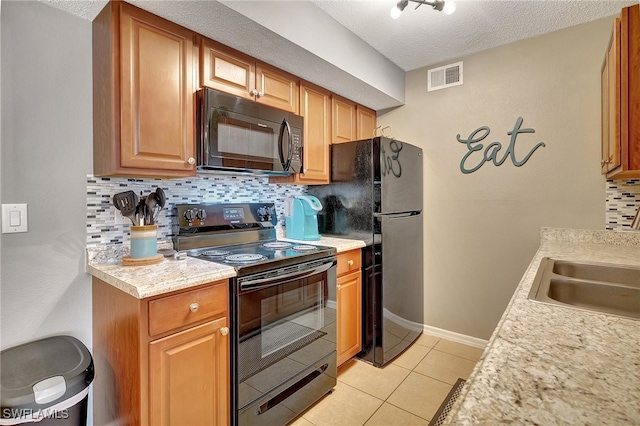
443, 77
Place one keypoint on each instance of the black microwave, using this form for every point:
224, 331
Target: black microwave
240, 136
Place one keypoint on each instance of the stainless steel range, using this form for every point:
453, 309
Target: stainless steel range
283, 351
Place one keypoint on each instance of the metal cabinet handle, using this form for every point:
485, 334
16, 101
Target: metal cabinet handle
350, 262
191, 160
194, 307
260, 94
224, 331
338, 286
254, 92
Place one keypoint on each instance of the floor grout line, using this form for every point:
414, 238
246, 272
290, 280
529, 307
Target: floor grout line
409, 370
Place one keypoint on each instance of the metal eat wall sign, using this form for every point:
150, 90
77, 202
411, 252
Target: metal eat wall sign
491, 151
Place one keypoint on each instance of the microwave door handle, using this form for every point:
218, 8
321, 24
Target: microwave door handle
290, 146
280, 137
205, 144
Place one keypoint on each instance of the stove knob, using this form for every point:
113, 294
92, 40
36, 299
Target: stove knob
201, 214
188, 215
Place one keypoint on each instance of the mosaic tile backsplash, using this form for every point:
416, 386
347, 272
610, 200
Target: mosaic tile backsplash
105, 224
623, 200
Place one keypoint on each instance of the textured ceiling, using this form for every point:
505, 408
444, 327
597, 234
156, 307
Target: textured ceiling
423, 36
353, 47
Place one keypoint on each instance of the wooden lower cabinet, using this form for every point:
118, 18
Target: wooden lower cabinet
177, 376
186, 371
349, 304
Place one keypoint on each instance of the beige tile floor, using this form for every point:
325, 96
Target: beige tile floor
406, 392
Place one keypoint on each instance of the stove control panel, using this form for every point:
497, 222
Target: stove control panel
233, 214
192, 216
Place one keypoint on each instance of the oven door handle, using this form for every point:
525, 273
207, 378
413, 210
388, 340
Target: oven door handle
291, 390
251, 284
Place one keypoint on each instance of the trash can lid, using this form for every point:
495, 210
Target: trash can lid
44, 372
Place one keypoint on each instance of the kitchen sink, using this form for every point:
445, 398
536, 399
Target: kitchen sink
600, 287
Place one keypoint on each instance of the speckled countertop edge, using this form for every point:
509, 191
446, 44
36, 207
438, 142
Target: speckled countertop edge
340, 244
555, 365
105, 263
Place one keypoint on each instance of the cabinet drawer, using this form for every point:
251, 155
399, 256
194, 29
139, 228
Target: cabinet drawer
187, 308
349, 261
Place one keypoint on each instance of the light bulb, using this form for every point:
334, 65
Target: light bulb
449, 7
395, 12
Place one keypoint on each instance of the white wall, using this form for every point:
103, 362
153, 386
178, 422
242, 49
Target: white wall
482, 228
46, 155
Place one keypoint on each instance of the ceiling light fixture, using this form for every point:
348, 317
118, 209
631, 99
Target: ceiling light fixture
448, 6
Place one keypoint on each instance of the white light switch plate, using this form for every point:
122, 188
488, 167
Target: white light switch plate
14, 218
118, 219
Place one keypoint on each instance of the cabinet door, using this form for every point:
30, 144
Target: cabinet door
227, 70
604, 119
276, 88
349, 316
315, 107
611, 110
343, 115
189, 377
157, 94
365, 122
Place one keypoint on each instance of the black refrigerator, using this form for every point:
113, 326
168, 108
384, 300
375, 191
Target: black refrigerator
375, 195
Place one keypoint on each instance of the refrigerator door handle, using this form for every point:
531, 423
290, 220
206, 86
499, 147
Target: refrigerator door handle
398, 215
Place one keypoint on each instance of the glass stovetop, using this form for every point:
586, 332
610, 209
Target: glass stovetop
259, 253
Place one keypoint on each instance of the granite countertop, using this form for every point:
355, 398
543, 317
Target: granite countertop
169, 275
550, 365
105, 263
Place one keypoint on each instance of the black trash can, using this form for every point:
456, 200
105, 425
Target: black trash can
46, 381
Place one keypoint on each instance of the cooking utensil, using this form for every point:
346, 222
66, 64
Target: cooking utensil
140, 210
161, 199
126, 202
150, 204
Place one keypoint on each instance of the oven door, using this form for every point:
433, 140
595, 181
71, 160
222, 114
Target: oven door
284, 348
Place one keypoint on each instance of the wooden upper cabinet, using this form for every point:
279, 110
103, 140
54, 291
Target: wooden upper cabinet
277, 88
621, 98
343, 116
610, 80
315, 107
225, 69
365, 122
143, 94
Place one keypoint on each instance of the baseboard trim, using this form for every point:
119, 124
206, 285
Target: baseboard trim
456, 337
434, 331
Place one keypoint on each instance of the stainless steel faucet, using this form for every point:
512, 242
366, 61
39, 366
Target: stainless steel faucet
636, 221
